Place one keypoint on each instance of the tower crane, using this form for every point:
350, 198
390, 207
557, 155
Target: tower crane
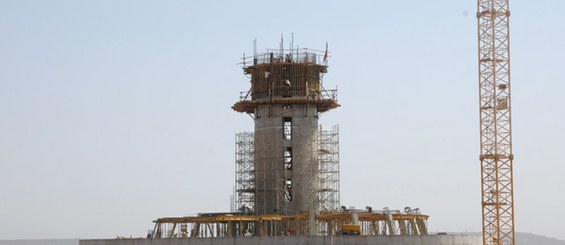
495, 122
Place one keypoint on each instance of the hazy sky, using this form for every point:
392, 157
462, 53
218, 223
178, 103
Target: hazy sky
115, 113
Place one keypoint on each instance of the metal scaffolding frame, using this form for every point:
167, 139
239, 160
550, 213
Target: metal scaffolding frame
328, 163
328, 170
244, 172
385, 223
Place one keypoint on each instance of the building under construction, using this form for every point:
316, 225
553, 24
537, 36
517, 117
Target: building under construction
287, 171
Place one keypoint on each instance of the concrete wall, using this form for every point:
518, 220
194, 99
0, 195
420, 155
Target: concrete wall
473, 239
41, 242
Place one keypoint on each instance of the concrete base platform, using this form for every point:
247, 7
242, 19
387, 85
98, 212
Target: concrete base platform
466, 239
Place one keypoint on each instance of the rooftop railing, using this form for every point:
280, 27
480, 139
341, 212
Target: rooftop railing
286, 56
324, 94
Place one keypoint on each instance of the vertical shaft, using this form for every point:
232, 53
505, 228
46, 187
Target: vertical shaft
495, 122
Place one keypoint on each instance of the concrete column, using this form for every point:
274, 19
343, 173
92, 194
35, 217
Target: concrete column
271, 175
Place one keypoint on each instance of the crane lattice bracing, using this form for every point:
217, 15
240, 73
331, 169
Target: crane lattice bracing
496, 132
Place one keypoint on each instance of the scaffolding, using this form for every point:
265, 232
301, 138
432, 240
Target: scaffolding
244, 171
328, 170
328, 164
290, 77
373, 223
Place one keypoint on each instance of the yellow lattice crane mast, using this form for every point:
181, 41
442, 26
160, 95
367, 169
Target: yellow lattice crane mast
496, 131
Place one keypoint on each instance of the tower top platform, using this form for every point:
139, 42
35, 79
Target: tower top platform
286, 77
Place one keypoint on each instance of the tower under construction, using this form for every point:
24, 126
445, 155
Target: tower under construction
287, 170
296, 165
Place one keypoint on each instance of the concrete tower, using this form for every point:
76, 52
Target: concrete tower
285, 100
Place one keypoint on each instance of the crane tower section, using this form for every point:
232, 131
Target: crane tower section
495, 122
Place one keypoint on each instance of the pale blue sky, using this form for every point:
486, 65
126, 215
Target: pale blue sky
114, 113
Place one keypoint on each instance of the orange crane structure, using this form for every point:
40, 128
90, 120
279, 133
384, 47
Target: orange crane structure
495, 117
